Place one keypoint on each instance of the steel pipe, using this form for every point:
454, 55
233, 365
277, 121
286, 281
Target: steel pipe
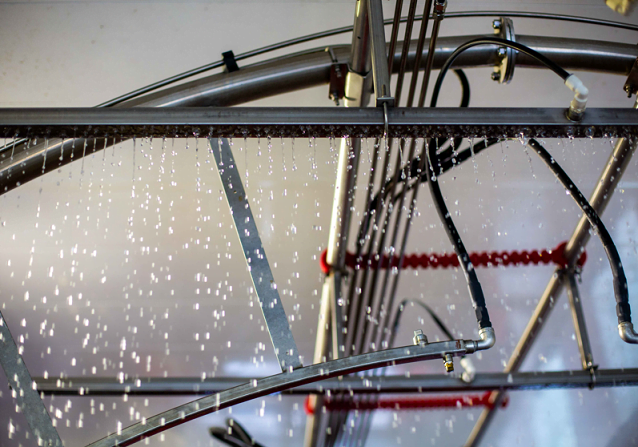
314, 121
195, 386
281, 382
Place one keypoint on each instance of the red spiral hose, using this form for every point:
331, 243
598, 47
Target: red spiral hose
479, 259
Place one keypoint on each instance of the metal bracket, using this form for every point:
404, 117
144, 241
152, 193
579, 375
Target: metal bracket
230, 63
631, 85
504, 69
258, 266
584, 347
338, 72
24, 391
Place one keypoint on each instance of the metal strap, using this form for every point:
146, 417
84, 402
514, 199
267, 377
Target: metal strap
24, 390
258, 266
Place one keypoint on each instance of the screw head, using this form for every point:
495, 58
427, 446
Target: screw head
496, 76
501, 51
496, 24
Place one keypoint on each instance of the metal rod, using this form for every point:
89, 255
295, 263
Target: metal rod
281, 382
603, 191
380, 73
584, 347
356, 94
394, 34
253, 250
195, 386
26, 395
439, 10
313, 121
405, 50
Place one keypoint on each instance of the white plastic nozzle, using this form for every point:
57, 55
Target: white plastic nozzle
581, 94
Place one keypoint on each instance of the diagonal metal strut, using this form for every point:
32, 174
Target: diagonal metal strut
24, 390
258, 266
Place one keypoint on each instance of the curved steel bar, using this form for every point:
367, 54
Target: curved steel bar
280, 382
299, 71
346, 29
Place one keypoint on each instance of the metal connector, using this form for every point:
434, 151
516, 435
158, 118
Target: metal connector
419, 338
449, 363
627, 333
487, 340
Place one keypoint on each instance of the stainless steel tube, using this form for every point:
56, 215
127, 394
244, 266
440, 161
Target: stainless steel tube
195, 386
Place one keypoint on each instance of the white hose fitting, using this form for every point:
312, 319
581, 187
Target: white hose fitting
581, 94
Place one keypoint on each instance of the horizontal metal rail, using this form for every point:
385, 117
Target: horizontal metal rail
183, 386
281, 382
316, 122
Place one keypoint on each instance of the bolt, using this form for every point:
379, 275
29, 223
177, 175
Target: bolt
496, 76
496, 24
449, 363
420, 338
501, 51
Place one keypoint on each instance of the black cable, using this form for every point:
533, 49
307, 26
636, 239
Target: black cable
492, 41
435, 318
621, 290
476, 292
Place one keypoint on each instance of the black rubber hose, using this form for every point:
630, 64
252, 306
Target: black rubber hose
435, 318
492, 41
621, 290
473, 284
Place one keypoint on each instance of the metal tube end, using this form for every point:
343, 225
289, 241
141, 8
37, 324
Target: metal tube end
488, 338
627, 333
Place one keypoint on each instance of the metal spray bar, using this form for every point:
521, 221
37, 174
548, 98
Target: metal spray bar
315, 122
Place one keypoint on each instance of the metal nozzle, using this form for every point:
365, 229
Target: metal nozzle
420, 338
449, 363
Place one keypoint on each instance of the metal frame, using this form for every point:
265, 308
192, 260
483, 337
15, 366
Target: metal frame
255, 255
281, 382
314, 122
609, 178
27, 396
119, 123
183, 386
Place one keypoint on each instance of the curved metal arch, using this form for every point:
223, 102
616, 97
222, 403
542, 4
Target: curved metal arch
281, 382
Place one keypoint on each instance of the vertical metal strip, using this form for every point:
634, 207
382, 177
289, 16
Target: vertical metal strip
584, 347
258, 266
24, 390
380, 71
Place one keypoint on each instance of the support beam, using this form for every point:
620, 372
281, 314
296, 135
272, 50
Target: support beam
578, 316
24, 391
380, 73
186, 386
258, 266
313, 121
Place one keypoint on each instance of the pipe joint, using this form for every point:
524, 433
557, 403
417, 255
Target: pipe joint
581, 94
487, 340
627, 333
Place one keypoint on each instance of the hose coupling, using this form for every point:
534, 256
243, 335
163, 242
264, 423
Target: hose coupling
627, 333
